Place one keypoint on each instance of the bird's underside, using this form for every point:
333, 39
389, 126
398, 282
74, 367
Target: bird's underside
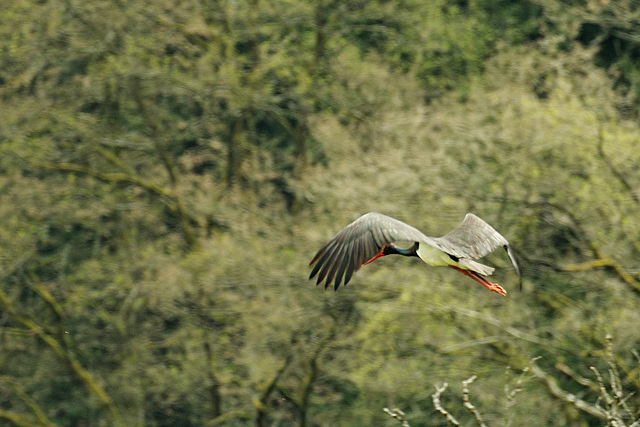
374, 235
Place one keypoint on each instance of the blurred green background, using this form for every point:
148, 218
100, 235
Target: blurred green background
169, 168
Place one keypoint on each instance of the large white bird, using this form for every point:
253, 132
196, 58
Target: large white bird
374, 235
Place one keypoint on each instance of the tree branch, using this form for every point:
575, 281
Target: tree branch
398, 415
16, 419
228, 416
577, 378
495, 322
614, 171
156, 133
214, 388
261, 403
35, 408
556, 391
468, 404
171, 200
600, 260
63, 354
436, 402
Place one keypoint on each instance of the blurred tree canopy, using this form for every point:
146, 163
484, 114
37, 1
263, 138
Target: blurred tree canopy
168, 169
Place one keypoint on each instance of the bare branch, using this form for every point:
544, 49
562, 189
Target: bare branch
603, 389
518, 386
555, 390
468, 404
616, 409
611, 410
398, 415
576, 377
436, 402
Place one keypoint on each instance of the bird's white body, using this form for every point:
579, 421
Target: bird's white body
434, 256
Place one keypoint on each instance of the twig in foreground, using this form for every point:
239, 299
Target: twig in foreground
436, 402
397, 414
468, 404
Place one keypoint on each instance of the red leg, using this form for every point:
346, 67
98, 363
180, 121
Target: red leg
484, 282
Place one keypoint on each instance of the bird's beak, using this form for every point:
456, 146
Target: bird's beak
381, 254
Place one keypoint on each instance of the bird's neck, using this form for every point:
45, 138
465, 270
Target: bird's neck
393, 249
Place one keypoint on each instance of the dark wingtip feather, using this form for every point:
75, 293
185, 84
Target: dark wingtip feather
336, 262
315, 271
348, 273
343, 265
319, 254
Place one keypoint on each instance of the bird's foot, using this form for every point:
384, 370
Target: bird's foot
495, 288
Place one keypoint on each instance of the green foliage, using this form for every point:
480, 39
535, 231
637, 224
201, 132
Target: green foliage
168, 170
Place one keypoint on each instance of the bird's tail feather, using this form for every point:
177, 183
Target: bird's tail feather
472, 265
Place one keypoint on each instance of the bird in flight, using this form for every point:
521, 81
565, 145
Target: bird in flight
375, 235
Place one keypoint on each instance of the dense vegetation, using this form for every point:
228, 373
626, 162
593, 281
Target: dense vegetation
169, 168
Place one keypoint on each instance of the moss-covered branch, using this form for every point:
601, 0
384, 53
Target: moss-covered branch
32, 404
64, 354
17, 419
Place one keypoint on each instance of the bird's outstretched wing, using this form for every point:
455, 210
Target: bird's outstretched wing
364, 238
474, 238
357, 243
